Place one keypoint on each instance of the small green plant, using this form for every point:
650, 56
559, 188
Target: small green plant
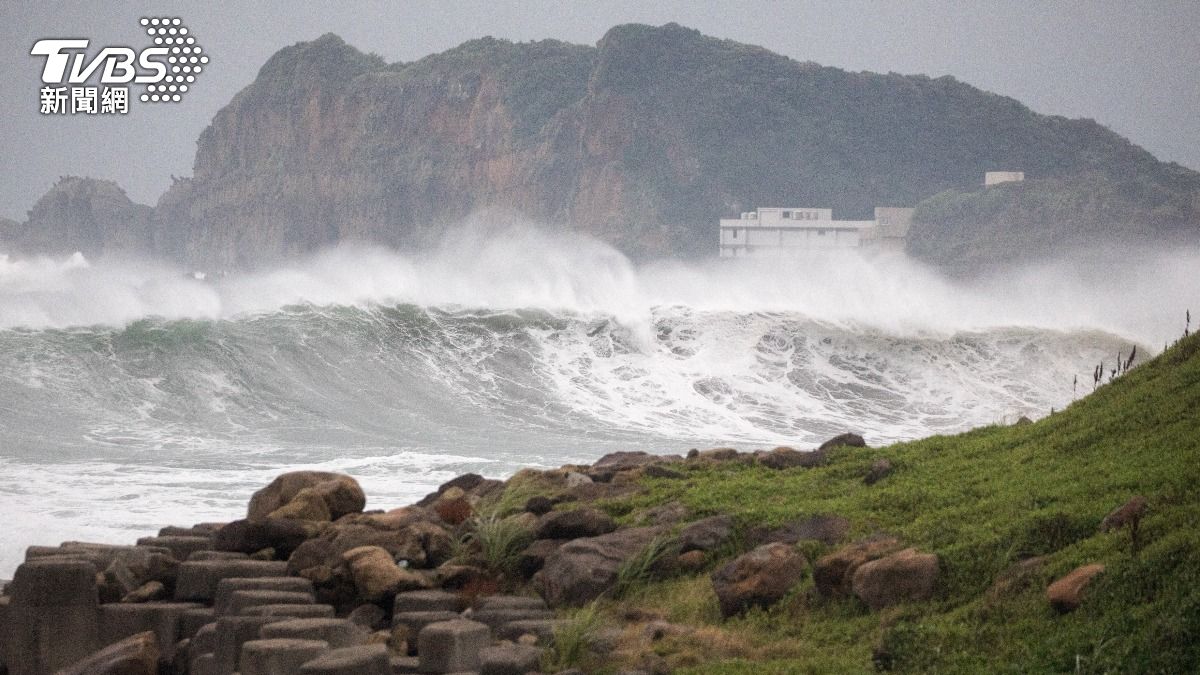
572, 638
640, 567
500, 541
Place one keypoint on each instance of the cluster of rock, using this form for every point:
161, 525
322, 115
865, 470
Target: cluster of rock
309, 582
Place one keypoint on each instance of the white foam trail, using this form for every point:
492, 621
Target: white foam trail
523, 267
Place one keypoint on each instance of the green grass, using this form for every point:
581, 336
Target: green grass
982, 501
500, 541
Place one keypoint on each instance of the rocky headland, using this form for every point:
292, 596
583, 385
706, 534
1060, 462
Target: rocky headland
643, 141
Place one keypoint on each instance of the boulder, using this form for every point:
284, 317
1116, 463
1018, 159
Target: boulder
707, 534
539, 505
1066, 594
534, 556
843, 440
582, 570
308, 504
250, 536
789, 458
899, 577
828, 529
369, 616
135, 655
759, 578
466, 482
833, 574
690, 562
585, 522
376, 575
341, 493
147, 592
880, 469
411, 534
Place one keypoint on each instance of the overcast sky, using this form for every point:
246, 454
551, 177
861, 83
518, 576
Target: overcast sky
1133, 66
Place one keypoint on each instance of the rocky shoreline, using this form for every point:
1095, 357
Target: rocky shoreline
476, 577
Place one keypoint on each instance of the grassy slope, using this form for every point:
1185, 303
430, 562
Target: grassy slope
981, 500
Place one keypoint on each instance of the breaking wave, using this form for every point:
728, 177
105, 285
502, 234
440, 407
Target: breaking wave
133, 395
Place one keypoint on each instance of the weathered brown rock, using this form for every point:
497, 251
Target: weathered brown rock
1066, 594
410, 534
707, 534
880, 469
833, 574
789, 458
582, 570
308, 504
341, 493
284, 535
147, 592
828, 529
135, 655
376, 575
759, 578
573, 524
843, 440
899, 577
534, 556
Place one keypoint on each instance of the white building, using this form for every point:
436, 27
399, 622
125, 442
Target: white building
777, 231
998, 177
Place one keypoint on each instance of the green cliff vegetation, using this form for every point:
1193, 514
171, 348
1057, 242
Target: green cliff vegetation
969, 229
983, 502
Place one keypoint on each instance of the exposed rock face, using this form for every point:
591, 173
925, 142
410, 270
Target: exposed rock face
834, 573
899, 577
643, 141
1066, 594
86, 215
340, 493
582, 570
759, 578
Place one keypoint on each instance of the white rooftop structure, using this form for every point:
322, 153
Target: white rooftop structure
780, 231
998, 177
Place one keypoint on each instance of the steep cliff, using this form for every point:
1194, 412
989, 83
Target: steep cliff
643, 140
83, 214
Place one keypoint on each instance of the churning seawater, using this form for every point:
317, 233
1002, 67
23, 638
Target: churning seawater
132, 397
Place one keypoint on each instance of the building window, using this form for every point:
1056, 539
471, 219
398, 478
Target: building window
821, 233
735, 234
787, 214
